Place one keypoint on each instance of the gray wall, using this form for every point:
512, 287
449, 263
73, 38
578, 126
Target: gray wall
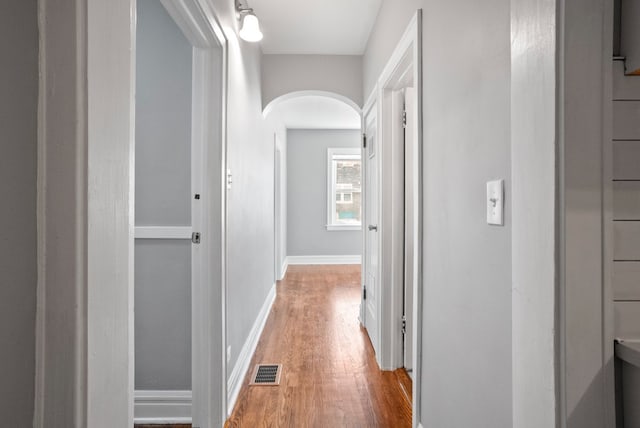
341, 74
250, 202
163, 198
307, 234
18, 164
626, 202
466, 355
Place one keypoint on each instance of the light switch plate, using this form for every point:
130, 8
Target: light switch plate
495, 202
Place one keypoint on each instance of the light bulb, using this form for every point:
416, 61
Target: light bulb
250, 30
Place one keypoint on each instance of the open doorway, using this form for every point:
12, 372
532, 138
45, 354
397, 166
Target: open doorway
179, 214
392, 298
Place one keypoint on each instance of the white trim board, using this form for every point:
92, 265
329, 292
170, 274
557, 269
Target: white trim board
283, 269
159, 232
162, 407
324, 260
234, 384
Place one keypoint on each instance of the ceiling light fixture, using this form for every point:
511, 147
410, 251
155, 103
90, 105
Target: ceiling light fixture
249, 24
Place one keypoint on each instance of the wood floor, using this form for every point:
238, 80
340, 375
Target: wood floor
330, 377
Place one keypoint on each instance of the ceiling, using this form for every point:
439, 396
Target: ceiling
316, 112
321, 27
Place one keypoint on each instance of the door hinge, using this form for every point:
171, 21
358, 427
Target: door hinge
364, 292
404, 119
404, 324
195, 237
364, 141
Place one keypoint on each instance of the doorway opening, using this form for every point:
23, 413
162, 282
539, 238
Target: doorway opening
180, 220
392, 296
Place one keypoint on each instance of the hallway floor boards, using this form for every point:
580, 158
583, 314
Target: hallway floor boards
329, 375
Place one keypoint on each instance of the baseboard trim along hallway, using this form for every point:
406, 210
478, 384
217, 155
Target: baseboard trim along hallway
244, 359
162, 407
324, 260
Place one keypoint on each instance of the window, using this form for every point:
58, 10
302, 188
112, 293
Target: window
344, 172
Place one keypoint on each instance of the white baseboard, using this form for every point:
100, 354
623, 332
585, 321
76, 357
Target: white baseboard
324, 260
285, 266
162, 407
234, 384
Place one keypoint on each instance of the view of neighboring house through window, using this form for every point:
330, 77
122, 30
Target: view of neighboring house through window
344, 171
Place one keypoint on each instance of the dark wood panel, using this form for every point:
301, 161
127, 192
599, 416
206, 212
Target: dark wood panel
330, 377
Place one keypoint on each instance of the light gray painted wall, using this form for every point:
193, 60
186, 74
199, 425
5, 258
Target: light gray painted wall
250, 231
18, 164
626, 199
163, 198
466, 355
163, 119
163, 314
307, 234
282, 74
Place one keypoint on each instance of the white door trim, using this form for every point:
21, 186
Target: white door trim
405, 64
199, 23
84, 329
162, 407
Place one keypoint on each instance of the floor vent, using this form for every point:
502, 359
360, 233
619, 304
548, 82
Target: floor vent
266, 374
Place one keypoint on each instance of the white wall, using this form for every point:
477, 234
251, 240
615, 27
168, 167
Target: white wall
250, 235
306, 189
18, 163
341, 74
558, 317
466, 355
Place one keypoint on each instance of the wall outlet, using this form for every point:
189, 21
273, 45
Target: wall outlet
228, 353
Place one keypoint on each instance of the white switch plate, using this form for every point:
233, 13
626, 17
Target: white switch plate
495, 202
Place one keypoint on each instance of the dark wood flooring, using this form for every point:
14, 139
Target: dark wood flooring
329, 377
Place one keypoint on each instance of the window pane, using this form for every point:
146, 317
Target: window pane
348, 189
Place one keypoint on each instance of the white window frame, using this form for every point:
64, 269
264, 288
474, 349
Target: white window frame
331, 194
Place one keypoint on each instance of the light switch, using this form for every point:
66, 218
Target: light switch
495, 202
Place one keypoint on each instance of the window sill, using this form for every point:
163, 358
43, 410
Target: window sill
342, 227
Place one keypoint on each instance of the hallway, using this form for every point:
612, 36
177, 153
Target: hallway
330, 377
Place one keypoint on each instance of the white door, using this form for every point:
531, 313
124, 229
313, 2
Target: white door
372, 250
411, 225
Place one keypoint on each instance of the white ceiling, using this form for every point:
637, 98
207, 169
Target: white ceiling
316, 112
327, 27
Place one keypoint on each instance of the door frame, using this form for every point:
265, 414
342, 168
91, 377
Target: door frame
405, 64
85, 213
198, 22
